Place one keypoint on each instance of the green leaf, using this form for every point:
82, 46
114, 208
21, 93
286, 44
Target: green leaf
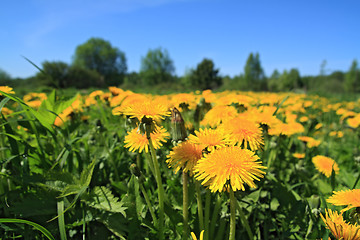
70, 190
3, 102
35, 225
332, 179
115, 223
13, 140
16, 138
86, 174
103, 199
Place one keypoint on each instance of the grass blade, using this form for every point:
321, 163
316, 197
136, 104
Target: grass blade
35, 225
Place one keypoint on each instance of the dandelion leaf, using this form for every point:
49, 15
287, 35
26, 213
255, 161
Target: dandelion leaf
102, 199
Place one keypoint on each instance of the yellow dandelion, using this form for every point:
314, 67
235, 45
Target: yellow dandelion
263, 117
287, 129
310, 142
185, 155
351, 198
136, 141
242, 130
332, 133
298, 155
304, 119
229, 165
337, 134
96, 93
6, 89
148, 109
34, 103
355, 121
318, 126
210, 138
218, 114
115, 91
6, 111
201, 235
338, 227
340, 134
325, 165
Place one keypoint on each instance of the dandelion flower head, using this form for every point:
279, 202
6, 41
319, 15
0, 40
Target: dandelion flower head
298, 155
210, 138
287, 129
218, 114
201, 235
148, 109
185, 155
136, 141
351, 198
243, 130
325, 165
6, 89
338, 227
233, 165
310, 142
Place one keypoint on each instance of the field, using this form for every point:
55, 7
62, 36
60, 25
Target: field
228, 165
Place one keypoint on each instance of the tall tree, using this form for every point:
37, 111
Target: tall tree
4, 78
352, 78
54, 74
99, 55
253, 73
205, 76
156, 67
273, 81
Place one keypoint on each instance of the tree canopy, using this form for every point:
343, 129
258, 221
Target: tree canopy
253, 73
205, 76
352, 78
99, 55
156, 67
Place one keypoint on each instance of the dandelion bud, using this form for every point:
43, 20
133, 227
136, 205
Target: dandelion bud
178, 126
136, 172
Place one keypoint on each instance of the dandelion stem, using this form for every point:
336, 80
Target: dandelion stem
147, 200
244, 221
232, 215
215, 215
199, 203
160, 190
149, 164
315, 177
185, 178
207, 214
84, 222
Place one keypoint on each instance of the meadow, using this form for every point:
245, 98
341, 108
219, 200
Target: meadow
117, 164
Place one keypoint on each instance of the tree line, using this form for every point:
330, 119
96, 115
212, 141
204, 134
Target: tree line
96, 63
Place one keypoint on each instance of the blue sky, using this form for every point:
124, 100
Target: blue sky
286, 33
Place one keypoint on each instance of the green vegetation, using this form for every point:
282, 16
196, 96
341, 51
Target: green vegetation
67, 173
96, 63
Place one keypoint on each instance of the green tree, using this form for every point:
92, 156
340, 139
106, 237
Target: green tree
132, 79
254, 74
205, 76
83, 78
4, 78
273, 81
54, 74
352, 78
287, 81
99, 55
156, 67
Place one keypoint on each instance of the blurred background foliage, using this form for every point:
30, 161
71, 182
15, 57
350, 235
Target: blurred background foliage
98, 64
